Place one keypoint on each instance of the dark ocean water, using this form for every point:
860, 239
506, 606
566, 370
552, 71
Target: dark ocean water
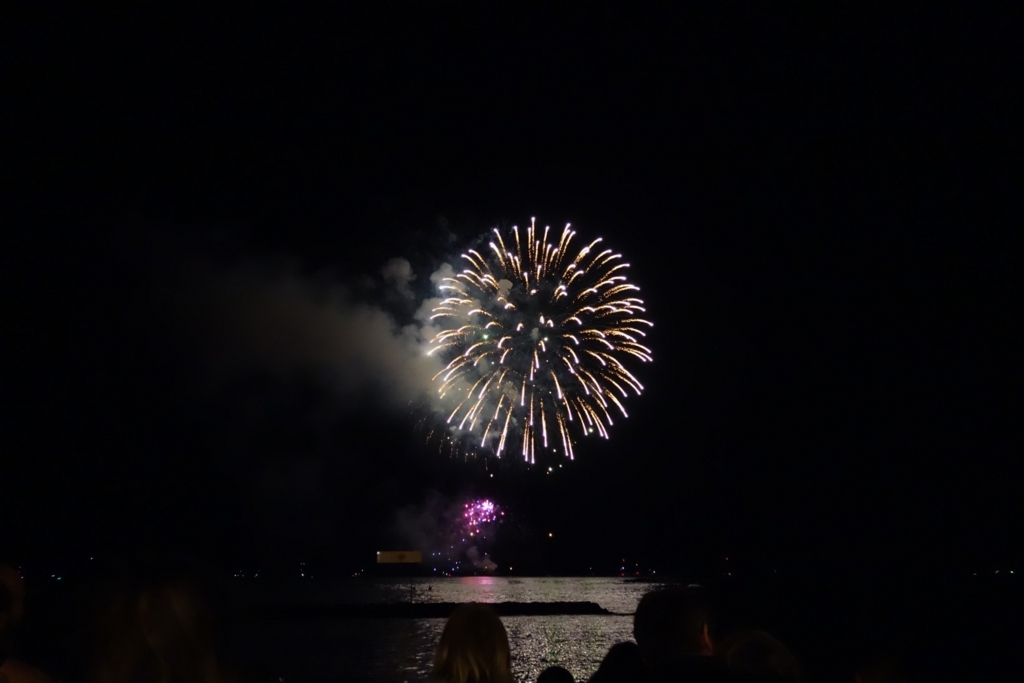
399, 650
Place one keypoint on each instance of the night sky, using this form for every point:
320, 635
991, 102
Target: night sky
823, 212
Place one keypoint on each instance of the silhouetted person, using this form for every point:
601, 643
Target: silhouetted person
761, 657
555, 674
622, 664
6, 621
473, 648
671, 628
880, 669
158, 632
12, 609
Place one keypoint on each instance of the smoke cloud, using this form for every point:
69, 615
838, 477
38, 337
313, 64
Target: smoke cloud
437, 529
279, 320
479, 560
366, 338
398, 273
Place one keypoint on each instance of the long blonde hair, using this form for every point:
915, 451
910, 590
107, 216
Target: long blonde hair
473, 647
157, 634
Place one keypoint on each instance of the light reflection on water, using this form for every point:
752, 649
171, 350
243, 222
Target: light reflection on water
401, 650
614, 594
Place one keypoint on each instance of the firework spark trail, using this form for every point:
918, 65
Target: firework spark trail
534, 334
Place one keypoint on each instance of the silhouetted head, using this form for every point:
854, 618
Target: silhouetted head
622, 663
555, 674
760, 655
669, 623
473, 647
12, 598
6, 603
621, 655
157, 632
884, 668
